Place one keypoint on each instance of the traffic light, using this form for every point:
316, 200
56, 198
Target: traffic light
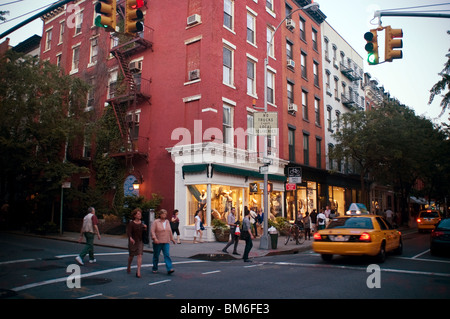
372, 46
391, 44
133, 15
107, 14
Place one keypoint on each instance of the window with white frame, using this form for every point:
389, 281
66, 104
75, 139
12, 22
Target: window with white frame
317, 110
62, 29
251, 83
270, 46
48, 39
227, 65
269, 5
112, 84
251, 28
227, 124
78, 22
75, 58
93, 51
270, 87
251, 137
228, 8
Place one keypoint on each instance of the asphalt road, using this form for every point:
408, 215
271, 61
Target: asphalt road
41, 268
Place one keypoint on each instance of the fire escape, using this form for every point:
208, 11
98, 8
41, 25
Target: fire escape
126, 96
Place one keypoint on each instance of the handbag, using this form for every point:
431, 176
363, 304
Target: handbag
237, 231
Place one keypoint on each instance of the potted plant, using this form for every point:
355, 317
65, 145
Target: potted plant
221, 230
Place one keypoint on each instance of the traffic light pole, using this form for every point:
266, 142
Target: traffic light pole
381, 13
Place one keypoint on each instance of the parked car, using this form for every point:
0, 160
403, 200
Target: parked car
440, 238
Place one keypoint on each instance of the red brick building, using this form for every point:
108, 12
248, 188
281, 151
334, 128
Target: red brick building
185, 90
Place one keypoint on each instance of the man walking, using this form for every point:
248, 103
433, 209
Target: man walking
89, 229
231, 221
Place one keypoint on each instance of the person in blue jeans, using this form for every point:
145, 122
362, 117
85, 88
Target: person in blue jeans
162, 236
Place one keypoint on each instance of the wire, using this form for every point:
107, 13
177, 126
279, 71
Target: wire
5, 4
9, 20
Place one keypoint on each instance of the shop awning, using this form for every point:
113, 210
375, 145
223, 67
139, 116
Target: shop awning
198, 168
244, 172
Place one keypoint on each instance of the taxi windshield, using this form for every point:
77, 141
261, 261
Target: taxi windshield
352, 222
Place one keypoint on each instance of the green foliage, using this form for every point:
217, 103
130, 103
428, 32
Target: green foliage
42, 110
132, 202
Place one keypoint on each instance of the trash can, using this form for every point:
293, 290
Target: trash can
273, 237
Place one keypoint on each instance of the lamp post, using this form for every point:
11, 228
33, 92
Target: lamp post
264, 243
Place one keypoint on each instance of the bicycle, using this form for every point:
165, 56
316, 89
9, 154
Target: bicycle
295, 233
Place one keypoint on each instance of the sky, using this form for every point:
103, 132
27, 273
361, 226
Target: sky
425, 43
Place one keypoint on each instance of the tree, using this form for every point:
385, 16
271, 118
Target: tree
41, 111
442, 85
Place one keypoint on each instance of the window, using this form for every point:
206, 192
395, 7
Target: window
317, 110
251, 85
328, 82
330, 160
290, 93
48, 40
270, 47
251, 27
270, 87
329, 121
326, 49
227, 66
58, 60
291, 138
316, 73
62, 29
336, 87
94, 51
314, 40
228, 14
319, 153
303, 65
75, 58
305, 148
90, 95
78, 22
289, 53
251, 137
302, 29
269, 5
305, 105
112, 84
338, 121
228, 125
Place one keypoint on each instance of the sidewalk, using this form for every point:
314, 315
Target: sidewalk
187, 249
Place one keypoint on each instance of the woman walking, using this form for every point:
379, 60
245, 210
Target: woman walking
135, 229
162, 236
174, 224
198, 226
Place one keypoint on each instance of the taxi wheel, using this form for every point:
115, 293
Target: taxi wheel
399, 249
381, 257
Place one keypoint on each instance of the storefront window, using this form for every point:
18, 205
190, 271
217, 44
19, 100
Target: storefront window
307, 197
223, 198
337, 199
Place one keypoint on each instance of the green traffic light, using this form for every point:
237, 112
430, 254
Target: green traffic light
98, 22
372, 59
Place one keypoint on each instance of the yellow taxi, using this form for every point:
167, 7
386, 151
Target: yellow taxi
357, 235
427, 219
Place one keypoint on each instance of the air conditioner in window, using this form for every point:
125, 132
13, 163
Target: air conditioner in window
193, 19
292, 107
290, 63
135, 67
194, 74
290, 24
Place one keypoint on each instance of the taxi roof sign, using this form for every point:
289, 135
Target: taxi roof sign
357, 209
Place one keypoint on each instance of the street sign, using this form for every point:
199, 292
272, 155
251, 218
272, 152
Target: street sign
266, 123
291, 186
295, 175
264, 169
